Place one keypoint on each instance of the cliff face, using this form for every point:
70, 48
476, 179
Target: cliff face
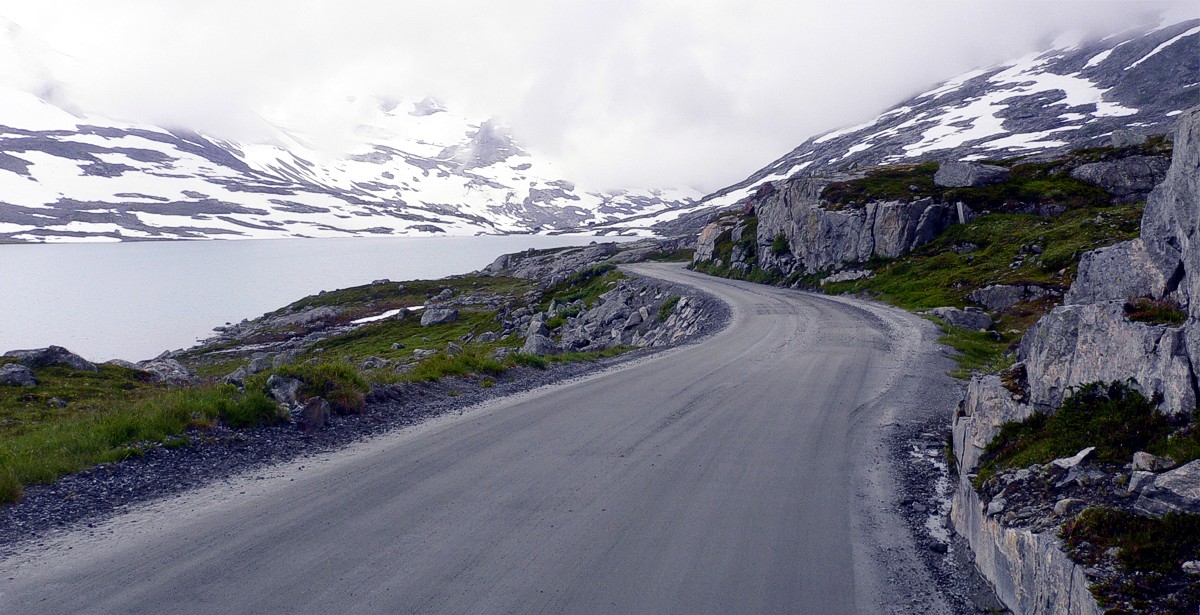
1092, 338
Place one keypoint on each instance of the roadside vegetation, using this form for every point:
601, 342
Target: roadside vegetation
76, 419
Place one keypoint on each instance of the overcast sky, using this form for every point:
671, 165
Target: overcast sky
632, 93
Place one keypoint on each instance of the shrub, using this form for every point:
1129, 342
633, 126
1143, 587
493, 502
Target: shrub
779, 245
1114, 418
338, 383
1158, 312
668, 306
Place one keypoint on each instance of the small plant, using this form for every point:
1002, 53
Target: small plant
1155, 311
1115, 418
779, 245
668, 306
527, 360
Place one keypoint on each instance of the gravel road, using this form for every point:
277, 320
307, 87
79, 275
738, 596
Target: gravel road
746, 473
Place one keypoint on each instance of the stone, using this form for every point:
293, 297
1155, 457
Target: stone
453, 349
438, 316
52, 356
1176, 490
1146, 462
487, 337
314, 415
374, 363
537, 326
1139, 480
963, 319
848, 276
1116, 273
1001, 297
259, 363
444, 295
1067, 507
1191, 567
170, 372
1129, 179
953, 174
996, 506
423, 353
633, 321
237, 377
540, 345
1075, 345
284, 390
1067, 463
17, 375
56, 402
502, 353
1127, 138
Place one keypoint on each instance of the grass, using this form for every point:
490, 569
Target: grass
978, 351
338, 383
941, 273
392, 295
1156, 312
44, 451
1115, 418
23, 408
1150, 550
471, 362
668, 306
585, 285
379, 339
1042, 183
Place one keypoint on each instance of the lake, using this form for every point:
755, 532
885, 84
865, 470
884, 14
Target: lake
134, 300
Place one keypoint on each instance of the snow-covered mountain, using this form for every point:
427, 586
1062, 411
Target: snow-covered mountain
1072, 95
415, 169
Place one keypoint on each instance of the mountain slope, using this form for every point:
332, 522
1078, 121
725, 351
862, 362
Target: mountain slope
1073, 95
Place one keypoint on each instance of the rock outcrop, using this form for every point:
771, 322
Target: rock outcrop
17, 375
1088, 339
52, 356
954, 174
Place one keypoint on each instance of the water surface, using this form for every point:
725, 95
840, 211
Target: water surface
134, 300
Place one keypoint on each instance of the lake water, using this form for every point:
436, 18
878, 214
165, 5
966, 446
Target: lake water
134, 300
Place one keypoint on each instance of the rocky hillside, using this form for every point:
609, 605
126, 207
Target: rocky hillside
412, 167
1071, 96
1107, 383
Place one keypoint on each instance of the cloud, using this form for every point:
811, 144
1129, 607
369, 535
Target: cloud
638, 92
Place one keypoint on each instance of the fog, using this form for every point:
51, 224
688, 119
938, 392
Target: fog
633, 93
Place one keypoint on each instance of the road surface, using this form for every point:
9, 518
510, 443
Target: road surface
740, 474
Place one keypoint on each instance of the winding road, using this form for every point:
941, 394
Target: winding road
743, 473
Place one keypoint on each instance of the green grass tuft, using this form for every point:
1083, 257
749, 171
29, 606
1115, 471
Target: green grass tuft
668, 306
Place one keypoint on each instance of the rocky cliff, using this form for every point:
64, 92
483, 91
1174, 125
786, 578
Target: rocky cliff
1131, 315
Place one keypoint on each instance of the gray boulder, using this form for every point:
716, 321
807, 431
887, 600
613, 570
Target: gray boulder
453, 349
1175, 491
438, 316
17, 375
259, 363
537, 326
1116, 273
954, 174
540, 345
170, 372
423, 353
284, 390
487, 337
1128, 179
374, 363
52, 356
314, 415
970, 320
237, 377
1000, 297
307, 316
1127, 138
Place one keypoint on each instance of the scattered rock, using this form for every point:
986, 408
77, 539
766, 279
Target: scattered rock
284, 390
1067, 463
17, 375
1177, 490
438, 316
52, 356
259, 363
315, 414
1067, 507
952, 174
996, 506
537, 326
170, 372
453, 349
540, 345
237, 377
423, 353
1000, 297
375, 363
487, 337
971, 320
1145, 462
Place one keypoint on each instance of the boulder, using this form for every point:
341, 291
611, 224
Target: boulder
237, 377
1175, 491
307, 316
170, 372
1145, 462
1116, 272
314, 415
259, 363
970, 320
1068, 463
423, 353
537, 326
1000, 297
487, 337
1075, 345
16, 375
438, 316
453, 349
1129, 179
52, 356
284, 390
953, 174
374, 363
1127, 138
540, 345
